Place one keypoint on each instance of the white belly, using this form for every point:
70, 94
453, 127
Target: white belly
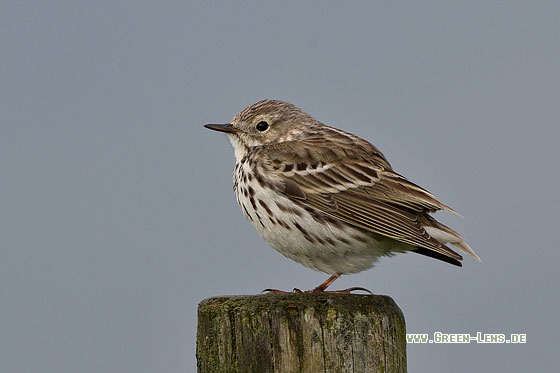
309, 237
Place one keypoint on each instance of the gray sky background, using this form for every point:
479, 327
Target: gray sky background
117, 215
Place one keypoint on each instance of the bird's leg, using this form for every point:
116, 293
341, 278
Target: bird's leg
321, 288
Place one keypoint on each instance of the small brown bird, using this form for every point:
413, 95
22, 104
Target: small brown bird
327, 198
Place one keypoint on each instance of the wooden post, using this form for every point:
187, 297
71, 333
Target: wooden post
322, 332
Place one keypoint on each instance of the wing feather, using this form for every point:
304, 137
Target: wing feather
356, 185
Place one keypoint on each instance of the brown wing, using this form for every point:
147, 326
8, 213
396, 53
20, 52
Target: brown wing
357, 185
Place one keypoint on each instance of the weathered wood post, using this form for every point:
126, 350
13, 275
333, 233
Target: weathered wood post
301, 333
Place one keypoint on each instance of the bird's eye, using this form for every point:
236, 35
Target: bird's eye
262, 126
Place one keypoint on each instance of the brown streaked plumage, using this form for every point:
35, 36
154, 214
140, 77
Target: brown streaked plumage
327, 198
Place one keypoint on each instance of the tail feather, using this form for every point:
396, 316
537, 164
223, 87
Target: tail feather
438, 255
446, 235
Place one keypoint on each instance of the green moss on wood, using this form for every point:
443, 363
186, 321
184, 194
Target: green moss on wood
300, 333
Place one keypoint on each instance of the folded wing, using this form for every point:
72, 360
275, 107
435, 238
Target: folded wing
356, 185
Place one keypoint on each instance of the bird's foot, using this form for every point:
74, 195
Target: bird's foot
344, 291
320, 289
277, 291
317, 290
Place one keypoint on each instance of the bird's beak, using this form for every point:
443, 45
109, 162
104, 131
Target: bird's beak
227, 128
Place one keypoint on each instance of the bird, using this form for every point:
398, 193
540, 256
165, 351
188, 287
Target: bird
327, 198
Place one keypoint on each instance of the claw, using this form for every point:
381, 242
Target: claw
349, 290
317, 290
320, 289
277, 291
274, 291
